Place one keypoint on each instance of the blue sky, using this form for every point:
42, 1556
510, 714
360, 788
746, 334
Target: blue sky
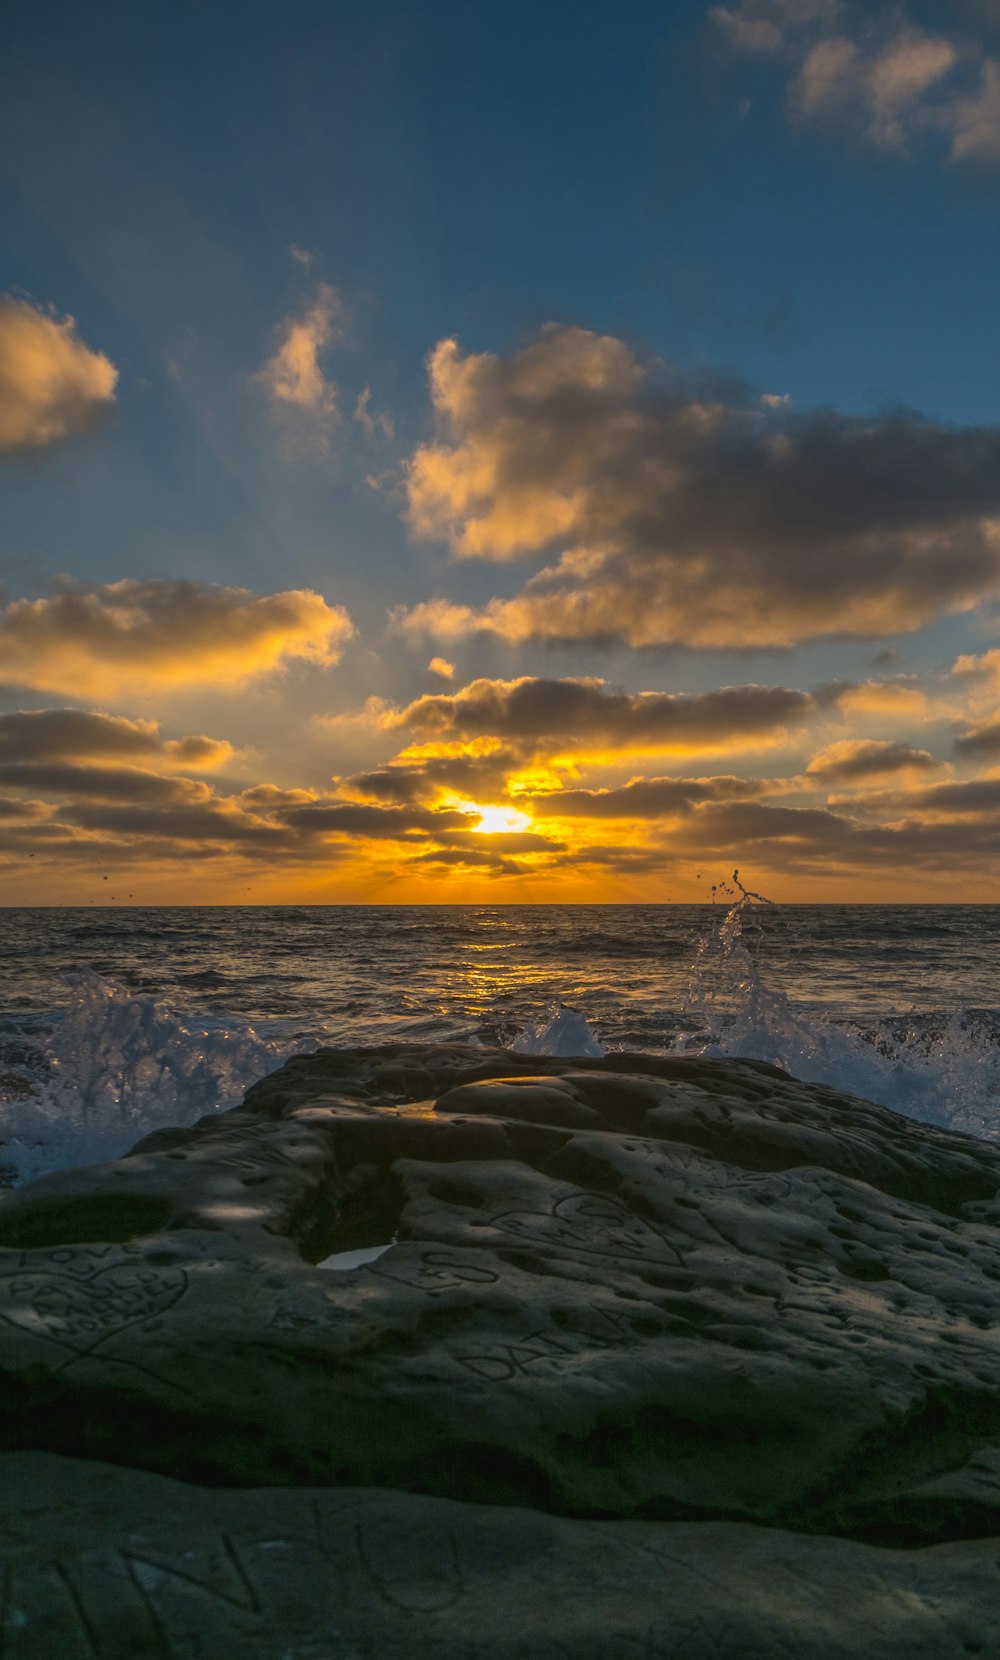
771, 207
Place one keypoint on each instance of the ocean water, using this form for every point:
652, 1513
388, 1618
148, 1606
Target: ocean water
114, 1022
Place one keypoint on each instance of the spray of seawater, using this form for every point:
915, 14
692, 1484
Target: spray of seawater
85, 1084
942, 1070
115, 1066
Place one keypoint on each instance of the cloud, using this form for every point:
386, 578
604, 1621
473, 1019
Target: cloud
302, 396
892, 699
973, 795
348, 818
881, 90
269, 797
52, 387
441, 667
642, 798
979, 740
985, 667
879, 78
766, 26
206, 821
690, 517
425, 778
584, 713
76, 734
855, 758
975, 119
13, 811
96, 783
97, 641
470, 858
373, 422
964, 798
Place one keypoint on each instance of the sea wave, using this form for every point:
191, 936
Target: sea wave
83, 1082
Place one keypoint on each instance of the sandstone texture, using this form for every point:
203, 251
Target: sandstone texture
639, 1318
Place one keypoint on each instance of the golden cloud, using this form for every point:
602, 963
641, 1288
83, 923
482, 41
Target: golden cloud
99, 641
52, 386
301, 393
699, 518
895, 699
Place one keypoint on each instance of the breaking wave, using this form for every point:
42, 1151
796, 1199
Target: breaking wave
114, 1067
82, 1083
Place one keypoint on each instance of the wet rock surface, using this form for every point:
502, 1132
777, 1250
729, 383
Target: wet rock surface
628, 1292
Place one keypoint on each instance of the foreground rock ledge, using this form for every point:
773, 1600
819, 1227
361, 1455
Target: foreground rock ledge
667, 1295
119, 1564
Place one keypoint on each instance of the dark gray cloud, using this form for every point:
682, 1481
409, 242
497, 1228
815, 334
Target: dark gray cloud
208, 821
348, 818
584, 712
694, 516
810, 842
979, 740
975, 795
96, 783
642, 798
409, 782
24, 812
476, 859
82, 734
501, 841
856, 759
741, 824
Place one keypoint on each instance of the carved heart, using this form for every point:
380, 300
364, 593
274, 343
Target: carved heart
81, 1312
592, 1224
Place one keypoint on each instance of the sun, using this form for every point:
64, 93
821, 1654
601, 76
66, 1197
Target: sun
497, 821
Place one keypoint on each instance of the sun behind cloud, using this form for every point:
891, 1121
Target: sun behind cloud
497, 821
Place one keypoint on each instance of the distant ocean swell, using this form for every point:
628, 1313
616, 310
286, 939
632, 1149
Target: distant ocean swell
88, 1064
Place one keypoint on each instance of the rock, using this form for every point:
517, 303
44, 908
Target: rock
118, 1564
630, 1291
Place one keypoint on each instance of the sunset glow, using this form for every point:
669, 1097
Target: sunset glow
526, 496
497, 820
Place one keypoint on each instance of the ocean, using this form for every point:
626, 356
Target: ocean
115, 1021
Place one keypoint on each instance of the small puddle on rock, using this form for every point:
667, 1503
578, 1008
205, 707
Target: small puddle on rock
341, 1262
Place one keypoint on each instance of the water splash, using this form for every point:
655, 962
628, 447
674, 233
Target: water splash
115, 1067
83, 1084
942, 1069
566, 1031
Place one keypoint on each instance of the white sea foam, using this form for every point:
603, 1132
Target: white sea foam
564, 1031
943, 1071
84, 1085
116, 1067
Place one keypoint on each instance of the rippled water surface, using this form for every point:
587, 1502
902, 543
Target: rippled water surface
112, 1021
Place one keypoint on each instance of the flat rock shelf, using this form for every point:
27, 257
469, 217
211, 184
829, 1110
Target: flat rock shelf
658, 1360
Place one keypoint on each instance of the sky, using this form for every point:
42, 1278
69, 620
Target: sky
499, 453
